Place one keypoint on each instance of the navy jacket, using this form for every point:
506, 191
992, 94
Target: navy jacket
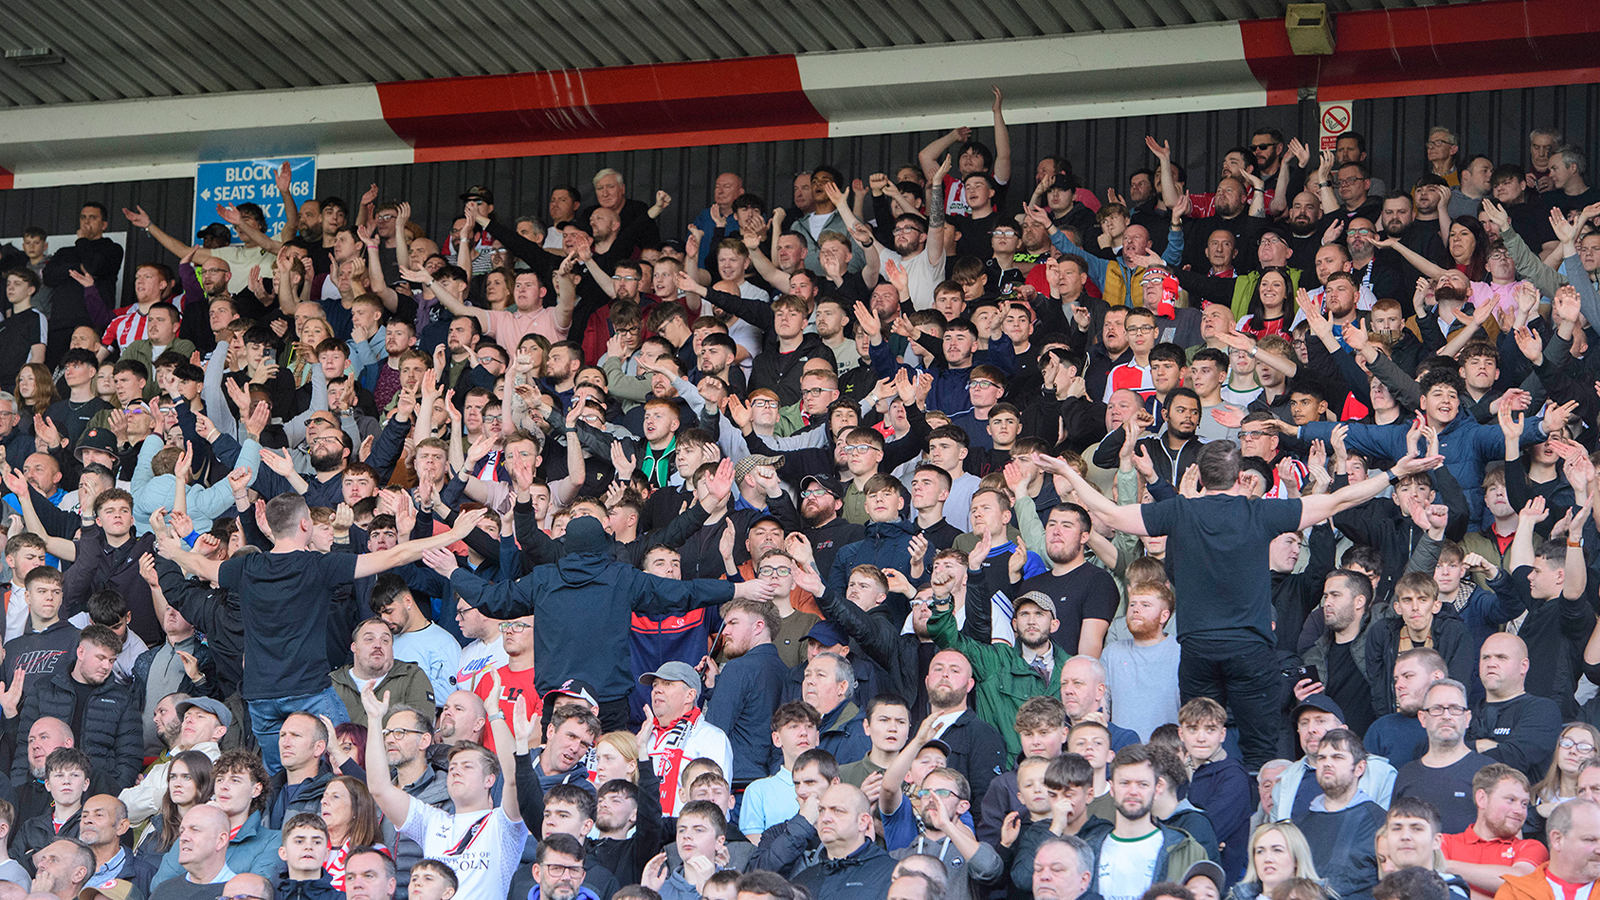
748, 689
585, 604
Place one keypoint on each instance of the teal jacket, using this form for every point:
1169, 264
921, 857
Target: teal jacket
253, 849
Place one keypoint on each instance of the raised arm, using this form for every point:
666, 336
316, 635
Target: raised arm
1163, 152
411, 551
1002, 141
928, 156
1318, 507
1127, 519
505, 744
395, 803
140, 219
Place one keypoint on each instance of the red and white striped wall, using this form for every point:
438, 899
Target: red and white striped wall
1231, 65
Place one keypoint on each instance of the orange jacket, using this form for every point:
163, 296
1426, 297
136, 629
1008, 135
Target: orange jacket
1531, 886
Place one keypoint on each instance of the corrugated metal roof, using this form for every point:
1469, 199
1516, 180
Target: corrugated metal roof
163, 48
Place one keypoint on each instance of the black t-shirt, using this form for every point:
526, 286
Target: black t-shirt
18, 333
972, 235
1567, 203
1087, 592
1217, 559
285, 609
1449, 789
1348, 687
72, 418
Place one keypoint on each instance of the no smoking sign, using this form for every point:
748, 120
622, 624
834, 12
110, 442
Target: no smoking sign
1334, 121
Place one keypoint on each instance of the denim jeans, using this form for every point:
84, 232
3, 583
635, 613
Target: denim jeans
266, 717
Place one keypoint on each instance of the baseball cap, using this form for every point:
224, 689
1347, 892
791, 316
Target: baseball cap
1321, 702
673, 671
206, 704
96, 439
1207, 868
479, 192
744, 467
215, 231
1039, 599
828, 484
937, 745
826, 634
572, 687
120, 889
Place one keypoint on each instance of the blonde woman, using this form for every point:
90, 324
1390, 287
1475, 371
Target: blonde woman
1578, 743
616, 755
1278, 854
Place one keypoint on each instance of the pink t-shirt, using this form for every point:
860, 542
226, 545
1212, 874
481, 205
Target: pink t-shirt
509, 326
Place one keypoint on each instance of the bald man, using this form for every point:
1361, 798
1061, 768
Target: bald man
248, 884
1511, 725
47, 735
844, 824
101, 825
203, 854
1574, 830
63, 868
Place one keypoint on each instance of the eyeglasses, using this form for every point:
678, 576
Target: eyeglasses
1362, 231
763, 404
814, 492
981, 383
1354, 179
243, 897
514, 627
495, 419
1263, 146
1006, 233
561, 871
924, 793
1440, 142
814, 392
906, 229
1253, 434
385, 217
1140, 329
624, 278
1441, 711
1570, 744
391, 732
774, 571
857, 448
488, 358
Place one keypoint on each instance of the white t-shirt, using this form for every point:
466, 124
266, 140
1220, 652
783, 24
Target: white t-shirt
1128, 867
476, 659
484, 847
922, 275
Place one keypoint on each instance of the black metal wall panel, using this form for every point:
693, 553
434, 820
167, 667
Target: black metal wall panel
1103, 153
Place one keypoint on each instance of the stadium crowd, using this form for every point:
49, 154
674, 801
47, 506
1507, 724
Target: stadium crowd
949, 532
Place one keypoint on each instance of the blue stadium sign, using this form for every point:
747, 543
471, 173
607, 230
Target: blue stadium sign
250, 181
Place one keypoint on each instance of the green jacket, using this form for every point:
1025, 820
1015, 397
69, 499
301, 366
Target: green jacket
407, 682
1005, 681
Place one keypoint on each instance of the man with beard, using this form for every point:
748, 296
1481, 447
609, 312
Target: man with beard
851, 864
1229, 212
372, 649
1377, 275
1173, 451
1305, 211
1135, 851
821, 500
1339, 653
328, 448
976, 749
918, 251
1340, 824
1494, 849
1085, 596
1398, 219
748, 688
1007, 675
463, 718
1142, 672
1443, 775
202, 722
